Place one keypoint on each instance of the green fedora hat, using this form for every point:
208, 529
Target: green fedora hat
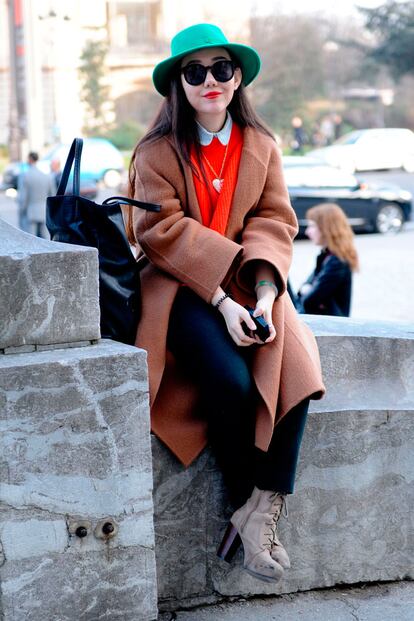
201, 36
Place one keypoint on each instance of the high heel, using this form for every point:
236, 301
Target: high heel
229, 544
253, 522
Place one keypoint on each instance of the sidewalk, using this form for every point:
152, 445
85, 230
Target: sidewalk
388, 601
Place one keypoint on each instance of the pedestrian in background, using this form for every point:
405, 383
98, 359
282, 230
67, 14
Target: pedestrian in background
327, 130
328, 289
338, 125
56, 171
34, 187
299, 135
222, 240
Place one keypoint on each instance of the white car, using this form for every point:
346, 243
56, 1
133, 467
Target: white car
370, 149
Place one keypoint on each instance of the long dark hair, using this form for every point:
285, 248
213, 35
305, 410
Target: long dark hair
176, 117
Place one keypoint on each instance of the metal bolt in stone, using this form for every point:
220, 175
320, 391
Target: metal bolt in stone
81, 532
106, 528
79, 527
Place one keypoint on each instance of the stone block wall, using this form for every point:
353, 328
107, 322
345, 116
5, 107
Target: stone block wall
350, 519
76, 474
76, 511
49, 292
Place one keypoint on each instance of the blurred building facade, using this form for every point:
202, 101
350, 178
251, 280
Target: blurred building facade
5, 86
41, 42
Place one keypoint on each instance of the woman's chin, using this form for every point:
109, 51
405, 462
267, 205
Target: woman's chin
213, 106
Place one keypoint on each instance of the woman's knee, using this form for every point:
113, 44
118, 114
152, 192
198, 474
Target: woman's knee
234, 383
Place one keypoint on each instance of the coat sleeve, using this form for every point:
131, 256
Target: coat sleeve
175, 243
330, 277
269, 231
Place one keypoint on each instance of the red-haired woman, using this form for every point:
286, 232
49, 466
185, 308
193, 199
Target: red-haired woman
328, 289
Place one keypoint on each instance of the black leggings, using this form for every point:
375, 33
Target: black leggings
199, 340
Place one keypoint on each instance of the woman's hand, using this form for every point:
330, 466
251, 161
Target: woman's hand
265, 299
234, 314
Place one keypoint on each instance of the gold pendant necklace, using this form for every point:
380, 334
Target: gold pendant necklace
218, 181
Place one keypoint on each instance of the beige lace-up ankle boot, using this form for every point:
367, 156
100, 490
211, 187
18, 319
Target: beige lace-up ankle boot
254, 522
277, 504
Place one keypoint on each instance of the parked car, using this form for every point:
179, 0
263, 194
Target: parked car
370, 149
11, 174
101, 160
9, 183
376, 207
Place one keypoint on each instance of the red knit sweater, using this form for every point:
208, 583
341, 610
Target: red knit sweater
215, 206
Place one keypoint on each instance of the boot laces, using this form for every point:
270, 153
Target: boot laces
279, 506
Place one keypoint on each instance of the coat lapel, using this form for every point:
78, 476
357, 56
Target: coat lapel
251, 177
190, 200
193, 206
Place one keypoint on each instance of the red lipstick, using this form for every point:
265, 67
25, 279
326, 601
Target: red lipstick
212, 95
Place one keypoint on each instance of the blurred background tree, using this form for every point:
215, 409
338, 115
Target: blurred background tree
124, 135
316, 66
392, 24
292, 59
95, 92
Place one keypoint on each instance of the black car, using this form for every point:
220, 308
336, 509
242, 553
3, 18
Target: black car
370, 207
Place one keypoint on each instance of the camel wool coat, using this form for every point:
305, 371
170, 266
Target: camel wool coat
179, 249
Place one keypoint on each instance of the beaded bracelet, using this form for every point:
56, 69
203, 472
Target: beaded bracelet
220, 300
266, 283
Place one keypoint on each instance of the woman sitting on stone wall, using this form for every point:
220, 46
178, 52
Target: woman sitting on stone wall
222, 240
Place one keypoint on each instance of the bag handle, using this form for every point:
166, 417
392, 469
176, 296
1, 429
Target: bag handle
74, 154
123, 200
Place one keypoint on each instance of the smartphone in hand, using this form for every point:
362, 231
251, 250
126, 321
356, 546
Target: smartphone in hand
262, 328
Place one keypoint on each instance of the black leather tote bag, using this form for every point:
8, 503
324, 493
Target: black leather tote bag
73, 219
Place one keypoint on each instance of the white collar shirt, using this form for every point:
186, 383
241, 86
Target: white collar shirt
223, 135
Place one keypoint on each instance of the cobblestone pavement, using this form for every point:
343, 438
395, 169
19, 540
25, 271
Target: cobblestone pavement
391, 601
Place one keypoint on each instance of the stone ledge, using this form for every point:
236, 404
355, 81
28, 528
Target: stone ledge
75, 446
49, 291
350, 516
366, 365
349, 519
28, 349
358, 328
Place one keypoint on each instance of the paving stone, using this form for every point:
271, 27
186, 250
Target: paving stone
385, 602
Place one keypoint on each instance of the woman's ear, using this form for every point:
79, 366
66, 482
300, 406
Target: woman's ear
237, 78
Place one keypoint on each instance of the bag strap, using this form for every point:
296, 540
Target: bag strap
123, 200
74, 154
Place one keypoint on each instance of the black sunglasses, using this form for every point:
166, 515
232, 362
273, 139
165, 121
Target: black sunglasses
195, 73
